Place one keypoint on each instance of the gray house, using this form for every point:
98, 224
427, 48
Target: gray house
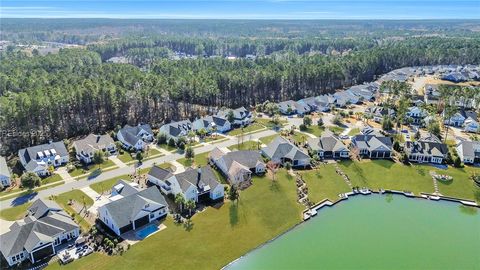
426, 151
372, 145
86, 147
281, 151
39, 158
176, 130
469, 152
5, 175
39, 234
135, 137
328, 146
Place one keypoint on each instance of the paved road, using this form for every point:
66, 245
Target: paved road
124, 170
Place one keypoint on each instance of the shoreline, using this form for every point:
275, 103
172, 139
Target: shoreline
365, 192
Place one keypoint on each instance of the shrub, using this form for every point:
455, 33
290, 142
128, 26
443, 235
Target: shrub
30, 180
162, 138
303, 127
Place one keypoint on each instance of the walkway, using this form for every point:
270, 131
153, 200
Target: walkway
179, 168
62, 171
435, 183
128, 169
117, 161
344, 175
98, 200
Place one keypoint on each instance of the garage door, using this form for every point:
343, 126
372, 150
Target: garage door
42, 253
141, 221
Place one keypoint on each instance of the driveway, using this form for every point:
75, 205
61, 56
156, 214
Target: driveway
117, 161
129, 169
98, 200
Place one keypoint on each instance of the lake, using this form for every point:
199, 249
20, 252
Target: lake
377, 232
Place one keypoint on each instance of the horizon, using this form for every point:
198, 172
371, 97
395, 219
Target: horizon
243, 10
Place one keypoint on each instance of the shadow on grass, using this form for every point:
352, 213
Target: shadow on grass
274, 186
188, 225
384, 163
233, 214
445, 183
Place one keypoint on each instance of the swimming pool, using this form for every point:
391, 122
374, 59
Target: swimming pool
145, 232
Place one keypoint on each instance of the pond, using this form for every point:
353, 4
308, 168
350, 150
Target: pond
377, 232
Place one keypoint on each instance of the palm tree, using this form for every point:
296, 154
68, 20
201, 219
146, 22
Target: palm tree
179, 201
233, 194
190, 205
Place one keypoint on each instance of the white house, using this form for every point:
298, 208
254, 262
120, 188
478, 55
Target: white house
135, 137
281, 151
415, 115
426, 151
200, 185
237, 166
241, 116
5, 174
39, 158
39, 235
212, 123
328, 146
469, 152
471, 125
86, 147
176, 130
131, 208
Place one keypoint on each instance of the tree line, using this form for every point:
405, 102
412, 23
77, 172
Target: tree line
73, 92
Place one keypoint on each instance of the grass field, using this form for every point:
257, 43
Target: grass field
29, 191
167, 147
88, 169
300, 137
198, 160
106, 185
126, 157
248, 145
268, 123
315, 130
80, 197
461, 186
268, 139
336, 129
254, 127
354, 131
324, 183
218, 236
15, 213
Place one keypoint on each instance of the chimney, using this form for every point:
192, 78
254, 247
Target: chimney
199, 175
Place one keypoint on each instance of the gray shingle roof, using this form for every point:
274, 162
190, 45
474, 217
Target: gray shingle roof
93, 143
123, 210
4, 170
159, 173
327, 142
281, 148
470, 149
372, 142
30, 154
175, 129
131, 134
190, 177
426, 148
124, 188
42, 207
247, 158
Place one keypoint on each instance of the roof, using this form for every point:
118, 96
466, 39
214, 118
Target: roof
372, 142
281, 148
93, 143
27, 234
470, 148
124, 188
131, 134
379, 111
4, 170
175, 129
42, 207
238, 113
206, 122
247, 158
43, 151
199, 178
159, 173
327, 142
426, 148
124, 210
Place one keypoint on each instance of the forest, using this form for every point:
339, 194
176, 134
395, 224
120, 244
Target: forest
76, 92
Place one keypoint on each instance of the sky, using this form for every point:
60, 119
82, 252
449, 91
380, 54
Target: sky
242, 9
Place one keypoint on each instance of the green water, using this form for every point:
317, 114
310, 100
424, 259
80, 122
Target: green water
377, 232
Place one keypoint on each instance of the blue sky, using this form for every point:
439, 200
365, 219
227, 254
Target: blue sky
243, 9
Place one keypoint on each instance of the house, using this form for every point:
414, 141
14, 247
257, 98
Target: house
365, 92
200, 185
281, 151
432, 95
86, 147
378, 113
5, 174
455, 77
39, 158
325, 102
310, 102
426, 150
135, 137
290, 107
131, 208
415, 115
328, 146
459, 118
471, 125
237, 166
212, 123
158, 176
241, 116
176, 130
39, 234
469, 151
343, 98
372, 145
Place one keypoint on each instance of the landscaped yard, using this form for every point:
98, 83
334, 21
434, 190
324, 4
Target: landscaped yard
126, 157
354, 131
214, 138
324, 183
315, 130
248, 145
79, 197
268, 139
198, 160
250, 128
22, 192
45, 181
218, 236
299, 137
461, 186
336, 129
152, 153
268, 123
89, 169
15, 213
385, 174
167, 147
106, 185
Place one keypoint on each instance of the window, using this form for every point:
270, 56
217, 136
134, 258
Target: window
13, 259
152, 215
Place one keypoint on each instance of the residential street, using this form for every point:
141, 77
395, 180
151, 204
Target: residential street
124, 170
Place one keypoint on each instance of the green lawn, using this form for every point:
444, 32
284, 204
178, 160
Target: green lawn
198, 160
80, 197
300, 137
461, 186
268, 123
385, 174
268, 139
28, 191
152, 153
248, 145
324, 183
315, 130
215, 138
45, 181
217, 236
126, 157
15, 213
250, 128
89, 169
354, 131
106, 185
336, 129
167, 147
